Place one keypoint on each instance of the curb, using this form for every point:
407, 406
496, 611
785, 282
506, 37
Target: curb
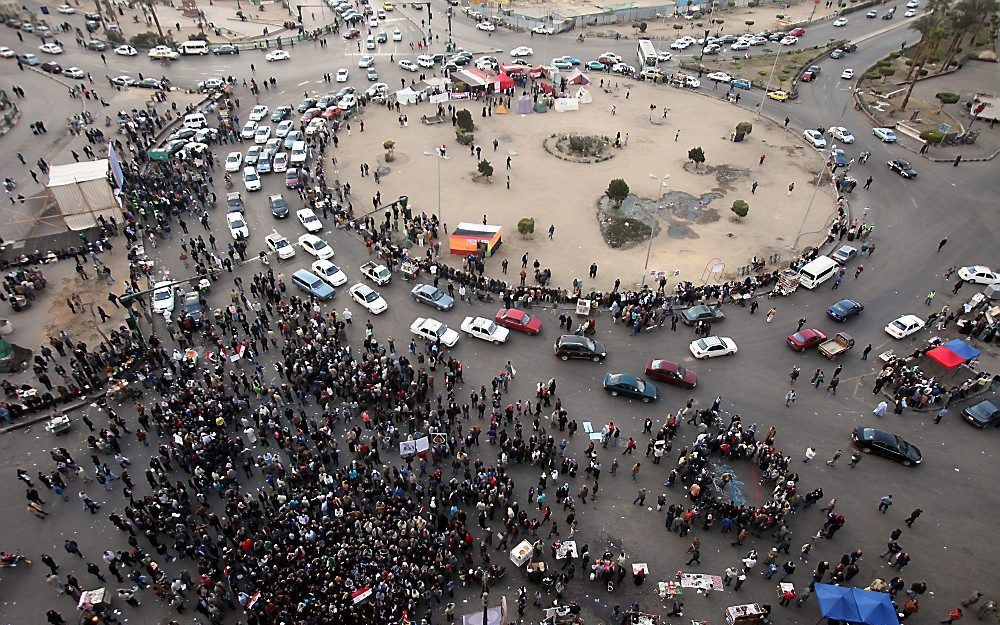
26, 423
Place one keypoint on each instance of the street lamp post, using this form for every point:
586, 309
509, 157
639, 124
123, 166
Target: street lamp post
767, 87
661, 183
438, 152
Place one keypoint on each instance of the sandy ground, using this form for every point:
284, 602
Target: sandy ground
565, 194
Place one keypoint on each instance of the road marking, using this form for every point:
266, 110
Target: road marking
306, 82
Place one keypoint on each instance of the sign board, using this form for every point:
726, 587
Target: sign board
407, 448
944, 128
718, 267
422, 444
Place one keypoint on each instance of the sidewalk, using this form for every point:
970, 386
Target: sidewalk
265, 19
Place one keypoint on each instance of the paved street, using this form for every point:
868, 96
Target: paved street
949, 545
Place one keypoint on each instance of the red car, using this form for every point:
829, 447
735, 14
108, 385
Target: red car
797, 32
353, 33
518, 320
805, 339
332, 112
292, 180
309, 114
671, 373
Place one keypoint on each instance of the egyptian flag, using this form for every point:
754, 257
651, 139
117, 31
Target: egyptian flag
361, 595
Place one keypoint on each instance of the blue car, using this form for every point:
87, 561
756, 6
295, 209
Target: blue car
844, 309
312, 284
630, 386
432, 296
596, 66
838, 157
740, 83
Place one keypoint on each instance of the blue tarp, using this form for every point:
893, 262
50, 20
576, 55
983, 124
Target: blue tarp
855, 605
962, 349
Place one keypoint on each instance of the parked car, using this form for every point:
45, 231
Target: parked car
904, 326
983, 414
572, 346
814, 137
312, 284
671, 373
430, 295
886, 444
315, 246
279, 245
702, 312
712, 346
369, 298
433, 330
806, 338
485, 329
885, 134
978, 274
329, 272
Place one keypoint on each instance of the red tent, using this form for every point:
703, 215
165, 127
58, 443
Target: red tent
945, 357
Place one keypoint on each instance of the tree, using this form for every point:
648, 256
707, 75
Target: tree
464, 120
617, 191
931, 29
741, 208
744, 128
485, 169
390, 146
643, 26
526, 227
945, 97
967, 19
697, 155
885, 72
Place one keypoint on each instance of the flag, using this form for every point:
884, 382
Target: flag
747, 54
241, 349
253, 600
361, 595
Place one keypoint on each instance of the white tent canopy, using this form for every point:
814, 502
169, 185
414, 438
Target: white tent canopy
82, 192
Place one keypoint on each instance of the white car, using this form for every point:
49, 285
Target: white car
253, 154
234, 161
329, 273
521, 51
163, 52
50, 48
813, 137
373, 22
789, 41
123, 81
679, 44
740, 45
377, 89
885, 134
251, 179
912, 4
904, 326
396, 35
348, 102
663, 56
487, 26
261, 135
842, 134
237, 225
720, 77
978, 274
126, 51
66, 9
316, 246
7, 53
910, 13
840, 21
211, 83
623, 69
163, 297
279, 245
433, 330
425, 60
309, 220
369, 298
408, 65
366, 61
485, 329
74, 72
316, 124
712, 346
847, 74
278, 55
543, 30
258, 113
283, 128
249, 129
299, 153
342, 74
280, 163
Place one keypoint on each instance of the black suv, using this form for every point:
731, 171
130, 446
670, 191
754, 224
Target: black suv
279, 207
573, 346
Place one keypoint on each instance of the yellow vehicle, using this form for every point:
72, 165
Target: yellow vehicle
780, 96
388, 6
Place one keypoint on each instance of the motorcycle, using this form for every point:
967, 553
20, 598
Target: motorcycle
229, 182
10, 560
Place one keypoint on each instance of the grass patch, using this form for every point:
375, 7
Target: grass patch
623, 232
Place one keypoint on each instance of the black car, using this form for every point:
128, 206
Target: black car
849, 47
226, 48
192, 308
903, 168
579, 347
52, 68
279, 207
844, 310
234, 202
983, 414
695, 314
879, 442
149, 83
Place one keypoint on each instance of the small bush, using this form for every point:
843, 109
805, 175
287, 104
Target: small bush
526, 226
617, 190
485, 168
697, 156
741, 208
744, 128
871, 75
115, 37
946, 97
932, 137
895, 55
464, 118
149, 39
678, 26
643, 26
464, 138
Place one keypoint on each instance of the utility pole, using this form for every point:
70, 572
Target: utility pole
129, 299
486, 597
156, 20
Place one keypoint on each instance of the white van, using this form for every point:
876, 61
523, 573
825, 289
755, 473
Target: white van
193, 47
817, 272
195, 121
425, 61
370, 42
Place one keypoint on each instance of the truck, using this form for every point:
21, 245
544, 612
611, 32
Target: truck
647, 53
836, 346
377, 273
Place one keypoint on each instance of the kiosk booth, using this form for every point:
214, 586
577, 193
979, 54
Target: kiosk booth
475, 239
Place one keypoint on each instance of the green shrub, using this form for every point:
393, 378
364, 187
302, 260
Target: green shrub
617, 190
932, 137
149, 39
697, 156
464, 120
741, 208
946, 97
526, 226
744, 128
464, 138
485, 168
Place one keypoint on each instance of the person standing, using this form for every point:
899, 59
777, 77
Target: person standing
868, 350
884, 503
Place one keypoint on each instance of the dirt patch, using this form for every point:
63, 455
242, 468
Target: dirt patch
579, 148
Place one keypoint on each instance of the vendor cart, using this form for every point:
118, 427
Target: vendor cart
788, 282
58, 424
746, 614
536, 572
120, 390
521, 553
408, 271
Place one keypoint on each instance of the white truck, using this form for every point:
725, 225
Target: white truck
377, 273
647, 54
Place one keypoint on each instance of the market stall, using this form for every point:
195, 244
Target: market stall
746, 614
468, 239
521, 553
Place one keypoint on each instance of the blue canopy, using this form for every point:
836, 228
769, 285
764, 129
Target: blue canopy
962, 349
855, 605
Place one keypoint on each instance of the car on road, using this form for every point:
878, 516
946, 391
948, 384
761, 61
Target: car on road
31, 59
278, 206
518, 320
163, 52
903, 168
342, 74
779, 95
280, 114
789, 41
312, 284
234, 202
433, 330
352, 33
293, 179
797, 32
841, 134
838, 157
814, 137
192, 308
279, 245
369, 298
844, 254
279, 164
226, 48
282, 129
978, 274
983, 414
7, 53
741, 83
847, 74
702, 312
671, 373
663, 56
430, 295
261, 134
408, 65
886, 444
886, 135
680, 44
712, 346
486, 26
630, 386
329, 272
541, 29
258, 113
521, 51
837, 54
871, 14
52, 68
149, 83
277, 55
299, 153
840, 21
50, 48
253, 154
249, 129
309, 220
904, 326
65, 9
573, 346
293, 137
237, 225
720, 77
806, 338
844, 310
397, 35
560, 62
251, 180
910, 13
596, 66
366, 61
97, 45
163, 297
485, 329
126, 50
622, 68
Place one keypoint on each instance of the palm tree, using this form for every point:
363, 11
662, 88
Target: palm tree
932, 31
966, 20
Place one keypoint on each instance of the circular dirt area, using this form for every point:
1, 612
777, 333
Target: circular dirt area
579, 147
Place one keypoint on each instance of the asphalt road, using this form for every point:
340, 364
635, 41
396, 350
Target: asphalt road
950, 545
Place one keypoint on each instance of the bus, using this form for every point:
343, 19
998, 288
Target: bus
647, 53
